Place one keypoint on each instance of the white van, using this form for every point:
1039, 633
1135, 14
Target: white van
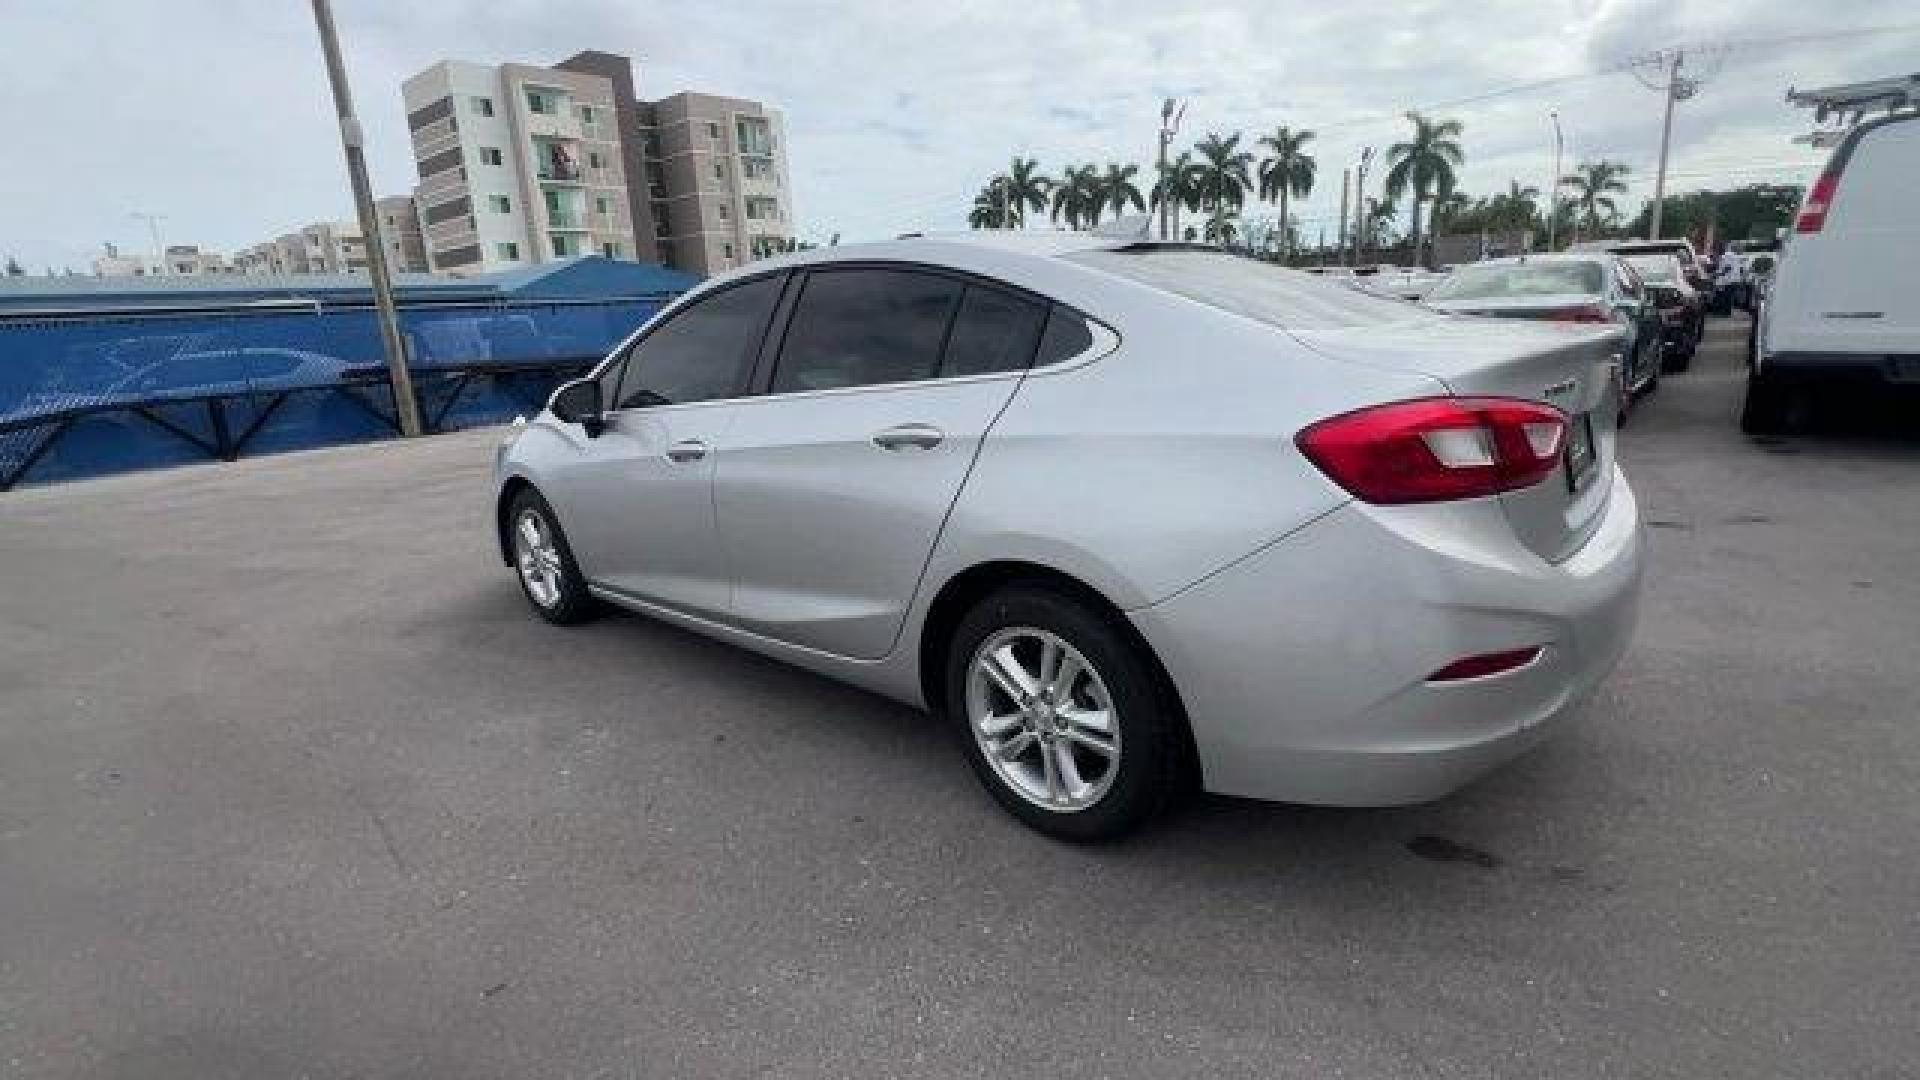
1844, 305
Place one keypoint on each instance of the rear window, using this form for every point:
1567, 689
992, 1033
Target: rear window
1658, 269
1521, 279
1253, 289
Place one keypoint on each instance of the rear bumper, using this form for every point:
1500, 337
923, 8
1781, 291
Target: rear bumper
1303, 668
1898, 369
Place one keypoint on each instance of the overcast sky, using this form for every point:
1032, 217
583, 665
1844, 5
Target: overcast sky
215, 113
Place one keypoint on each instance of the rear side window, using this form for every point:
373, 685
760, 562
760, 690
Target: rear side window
995, 331
863, 327
704, 351
1067, 336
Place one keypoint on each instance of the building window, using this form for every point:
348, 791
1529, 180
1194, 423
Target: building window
483, 106
762, 209
755, 135
500, 204
719, 170
508, 252
586, 114
540, 103
490, 155
726, 251
713, 131
600, 205
724, 212
594, 160
755, 168
610, 249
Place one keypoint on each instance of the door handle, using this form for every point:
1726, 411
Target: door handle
687, 450
909, 436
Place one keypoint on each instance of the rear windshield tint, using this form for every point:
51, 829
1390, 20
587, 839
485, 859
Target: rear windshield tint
1256, 290
1655, 268
1521, 279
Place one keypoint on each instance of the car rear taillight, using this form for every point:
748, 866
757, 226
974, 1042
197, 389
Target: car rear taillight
1437, 449
1584, 313
1484, 664
1813, 215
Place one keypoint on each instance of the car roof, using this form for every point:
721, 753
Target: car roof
1593, 256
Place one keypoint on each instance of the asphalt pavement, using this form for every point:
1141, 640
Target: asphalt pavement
292, 785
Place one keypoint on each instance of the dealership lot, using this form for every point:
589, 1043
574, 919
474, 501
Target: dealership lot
291, 783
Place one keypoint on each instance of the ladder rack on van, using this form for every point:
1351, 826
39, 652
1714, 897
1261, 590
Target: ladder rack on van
1849, 103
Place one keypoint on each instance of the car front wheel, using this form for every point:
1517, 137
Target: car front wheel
548, 574
1065, 723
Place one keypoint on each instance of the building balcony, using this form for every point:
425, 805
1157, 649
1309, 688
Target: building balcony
563, 222
553, 126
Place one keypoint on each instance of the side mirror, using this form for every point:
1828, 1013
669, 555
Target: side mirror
578, 402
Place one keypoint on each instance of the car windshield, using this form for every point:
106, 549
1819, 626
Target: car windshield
1657, 269
1488, 282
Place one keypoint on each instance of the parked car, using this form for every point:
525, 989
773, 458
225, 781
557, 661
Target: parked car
1694, 268
1590, 287
1129, 515
1844, 303
1683, 310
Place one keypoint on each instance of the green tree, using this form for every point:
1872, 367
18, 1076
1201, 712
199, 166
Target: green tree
14, 269
1424, 165
1594, 184
1117, 189
1025, 188
1178, 187
987, 212
1752, 212
1224, 176
1286, 172
1077, 197
1515, 208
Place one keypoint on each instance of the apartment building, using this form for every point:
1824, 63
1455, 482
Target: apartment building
340, 247
518, 164
400, 234
523, 164
190, 259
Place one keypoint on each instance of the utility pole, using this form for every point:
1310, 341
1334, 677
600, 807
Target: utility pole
1360, 202
1553, 200
353, 141
1346, 182
1170, 114
1666, 137
153, 228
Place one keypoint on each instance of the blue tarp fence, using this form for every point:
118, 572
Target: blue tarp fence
89, 392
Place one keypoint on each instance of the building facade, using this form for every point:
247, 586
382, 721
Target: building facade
191, 259
523, 164
400, 234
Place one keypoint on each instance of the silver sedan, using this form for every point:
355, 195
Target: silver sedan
1132, 517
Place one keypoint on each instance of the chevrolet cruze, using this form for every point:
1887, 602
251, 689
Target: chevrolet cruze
1130, 517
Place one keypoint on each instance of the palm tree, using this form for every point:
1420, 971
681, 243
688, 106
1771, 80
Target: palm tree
1219, 229
1594, 184
1424, 165
1078, 197
1117, 190
1287, 171
1025, 189
986, 213
1224, 177
1178, 186
1514, 208
1376, 225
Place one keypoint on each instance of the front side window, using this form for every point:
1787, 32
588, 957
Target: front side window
864, 327
703, 352
995, 331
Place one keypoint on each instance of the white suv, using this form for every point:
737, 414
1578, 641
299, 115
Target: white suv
1844, 305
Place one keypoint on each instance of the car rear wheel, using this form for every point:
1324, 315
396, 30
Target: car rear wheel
1064, 721
1768, 409
544, 562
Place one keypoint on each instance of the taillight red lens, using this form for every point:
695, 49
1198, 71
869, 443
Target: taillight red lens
1437, 449
1584, 313
1813, 215
1485, 664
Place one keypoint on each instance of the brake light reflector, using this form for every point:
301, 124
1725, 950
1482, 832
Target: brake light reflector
1484, 664
1587, 313
1437, 449
1813, 216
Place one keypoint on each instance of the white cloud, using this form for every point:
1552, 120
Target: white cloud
215, 112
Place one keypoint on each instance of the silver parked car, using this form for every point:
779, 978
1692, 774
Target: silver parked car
1131, 516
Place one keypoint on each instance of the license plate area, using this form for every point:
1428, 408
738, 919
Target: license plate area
1579, 456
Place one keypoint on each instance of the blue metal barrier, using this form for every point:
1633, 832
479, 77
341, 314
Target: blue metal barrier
86, 393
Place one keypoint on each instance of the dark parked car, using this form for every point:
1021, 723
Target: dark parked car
1683, 308
1576, 287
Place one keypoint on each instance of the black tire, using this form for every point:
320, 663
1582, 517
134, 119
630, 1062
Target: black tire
1768, 410
573, 603
1148, 773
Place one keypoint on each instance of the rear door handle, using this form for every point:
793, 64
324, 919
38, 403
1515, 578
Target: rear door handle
909, 437
687, 450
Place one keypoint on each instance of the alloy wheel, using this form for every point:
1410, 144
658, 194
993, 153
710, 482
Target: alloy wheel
538, 556
1043, 719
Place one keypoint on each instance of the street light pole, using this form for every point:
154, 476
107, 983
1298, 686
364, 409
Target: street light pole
1169, 126
1553, 200
1666, 136
352, 140
1360, 202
